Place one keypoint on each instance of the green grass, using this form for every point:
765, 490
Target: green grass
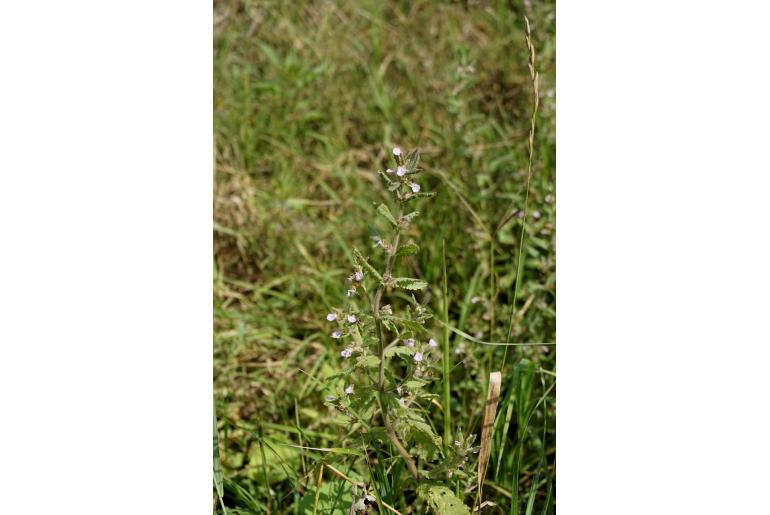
309, 98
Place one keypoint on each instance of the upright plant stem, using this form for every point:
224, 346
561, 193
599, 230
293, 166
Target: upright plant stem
446, 357
519, 263
381, 350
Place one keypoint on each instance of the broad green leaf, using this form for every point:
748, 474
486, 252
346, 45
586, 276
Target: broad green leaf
407, 249
442, 500
385, 211
363, 263
410, 216
409, 283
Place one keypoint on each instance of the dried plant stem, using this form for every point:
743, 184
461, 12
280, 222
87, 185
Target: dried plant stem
381, 350
493, 397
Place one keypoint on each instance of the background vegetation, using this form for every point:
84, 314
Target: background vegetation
309, 97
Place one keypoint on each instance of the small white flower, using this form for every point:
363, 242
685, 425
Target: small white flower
410, 342
415, 187
350, 293
548, 198
432, 343
337, 334
346, 353
349, 389
457, 443
387, 309
402, 402
379, 244
418, 357
358, 276
396, 151
476, 300
352, 319
400, 171
331, 317
536, 215
399, 390
388, 171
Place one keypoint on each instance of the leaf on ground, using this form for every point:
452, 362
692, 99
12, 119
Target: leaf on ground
442, 500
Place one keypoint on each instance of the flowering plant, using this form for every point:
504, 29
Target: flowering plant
389, 353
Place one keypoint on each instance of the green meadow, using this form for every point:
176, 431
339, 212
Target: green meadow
309, 99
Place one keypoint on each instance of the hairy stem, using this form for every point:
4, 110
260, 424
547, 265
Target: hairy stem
381, 350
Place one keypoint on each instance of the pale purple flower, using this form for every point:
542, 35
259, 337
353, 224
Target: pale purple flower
346, 353
400, 171
379, 243
410, 342
349, 389
536, 215
331, 317
432, 343
352, 319
358, 276
337, 334
330, 398
396, 151
415, 187
418, 357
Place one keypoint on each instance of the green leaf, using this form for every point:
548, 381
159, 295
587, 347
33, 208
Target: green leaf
385, 211
409, 283
414, 384
368, 361
407, 249
397, 351
333, 497
363, 263
410, 216
412, 160
409, 324
442, 500
423, 194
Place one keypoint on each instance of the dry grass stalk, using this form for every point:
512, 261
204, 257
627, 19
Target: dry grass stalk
493, 397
